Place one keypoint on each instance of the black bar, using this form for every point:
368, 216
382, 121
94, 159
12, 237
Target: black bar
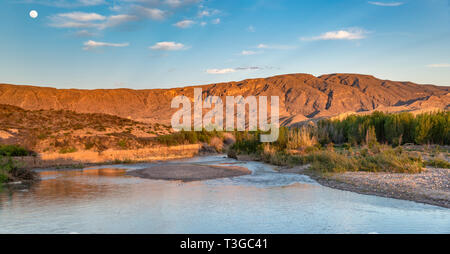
226, 243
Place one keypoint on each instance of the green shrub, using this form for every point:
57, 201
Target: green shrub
390, 161
67, 150
333, 162
123, 144
438, 163
14, 151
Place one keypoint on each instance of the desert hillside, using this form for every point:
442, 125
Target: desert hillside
303, 97
65, 131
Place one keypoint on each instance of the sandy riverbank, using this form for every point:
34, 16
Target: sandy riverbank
430, 187
162, 153
189, 172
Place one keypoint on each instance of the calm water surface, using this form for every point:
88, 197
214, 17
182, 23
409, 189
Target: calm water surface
105, 200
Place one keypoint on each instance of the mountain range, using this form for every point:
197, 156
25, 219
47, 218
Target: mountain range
303, 97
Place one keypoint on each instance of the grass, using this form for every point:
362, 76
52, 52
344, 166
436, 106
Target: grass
67, 150
438, 163
379, 158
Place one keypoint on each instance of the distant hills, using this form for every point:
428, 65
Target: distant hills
303, 97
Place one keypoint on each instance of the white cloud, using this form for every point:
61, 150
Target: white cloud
89, 20
278, 47
203, 23
179, 3
204, 13
251, 29
151, 13
82, 16
117, 20
350, 34
220, 71
66, 3
84, 33
168, 46
232, 70
91, 2
442, 65
386, 4
248, 52
95, 44
216, 21
184, 23
263, 46
207, 12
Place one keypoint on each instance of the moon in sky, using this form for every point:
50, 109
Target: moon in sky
33, 14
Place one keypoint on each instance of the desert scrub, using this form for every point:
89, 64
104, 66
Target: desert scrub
326, 161
10, 171
14, 151
390, 161
67, 150
438, 163
123, 144
188, 137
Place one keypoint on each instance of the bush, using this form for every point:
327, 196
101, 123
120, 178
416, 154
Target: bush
438, 163
217, 143
67, 150
330, 161
9, 171
390, 161
14, 151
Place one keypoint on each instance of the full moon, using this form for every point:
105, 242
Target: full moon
33, 14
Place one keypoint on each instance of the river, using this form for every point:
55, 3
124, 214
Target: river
105, 200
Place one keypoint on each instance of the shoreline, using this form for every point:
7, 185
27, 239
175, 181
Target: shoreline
111, 156
421, 188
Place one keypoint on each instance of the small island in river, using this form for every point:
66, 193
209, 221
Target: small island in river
189, 172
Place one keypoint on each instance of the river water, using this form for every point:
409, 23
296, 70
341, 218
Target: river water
105, 200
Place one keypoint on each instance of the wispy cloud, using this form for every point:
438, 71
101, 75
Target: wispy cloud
150, 13
386, 4
67, 3
220, 71
95, 44
249, 52
89, 20
168, 46
350, 34
84, 33
232, 70
442, 65
216, 21
279, 47
203, 12
179, 3
82, 16
184, 23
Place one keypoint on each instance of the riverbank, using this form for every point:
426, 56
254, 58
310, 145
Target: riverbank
110, 156
432, 186
189, 172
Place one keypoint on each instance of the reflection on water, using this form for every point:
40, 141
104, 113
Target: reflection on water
106, 200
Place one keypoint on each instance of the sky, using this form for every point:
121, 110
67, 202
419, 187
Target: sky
146, 44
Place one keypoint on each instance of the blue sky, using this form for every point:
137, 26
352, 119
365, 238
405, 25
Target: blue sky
143, 44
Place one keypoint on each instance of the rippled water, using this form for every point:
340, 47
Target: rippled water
105, 200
